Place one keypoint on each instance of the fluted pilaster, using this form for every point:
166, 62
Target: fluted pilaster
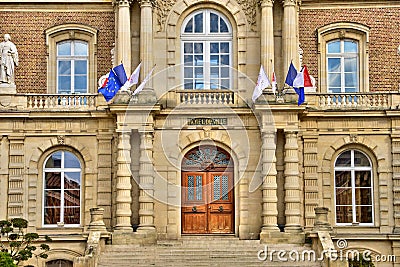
146, 37
124, 186
146, 176
267, 36
124, 34
292, 184
269, 186
289, 33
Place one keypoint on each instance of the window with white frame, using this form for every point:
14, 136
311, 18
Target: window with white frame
72, 67
353, 189
207, 51
62, 175
342, 66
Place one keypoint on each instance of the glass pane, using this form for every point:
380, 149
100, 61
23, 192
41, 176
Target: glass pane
199, 84
214, 84
333, 64
72, 215
363, 178
364, 214
360, 160
52, 180
350, 46
199, 187
52, 215
343, 178
334, 80
214, 60
225, 187
81, 49
198, 60
198, 23
188, 60
54, 160
225, 72
52, 198
217, 185
224, 47
64, 67
334, 47
188, 72
335, 91
350, 79
72, 180
190, 187
344, 160
343, 196
214, 72
188, 84
59, 263
80, 67
214, 22
64, 49
198, 72
72, 198
189, 26
198, 48
343, 214
214, 48
222, 26
351, 90
225, 60
363, 196
188, 48
80, 84
225, 84
64, 84
350, 64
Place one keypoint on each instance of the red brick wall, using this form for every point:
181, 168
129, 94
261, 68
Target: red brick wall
384, 23
27, 33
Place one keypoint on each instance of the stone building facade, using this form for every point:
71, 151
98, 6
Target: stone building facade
192, 154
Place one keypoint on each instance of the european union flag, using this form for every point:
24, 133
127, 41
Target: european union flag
120, 73
291, 75
112, 87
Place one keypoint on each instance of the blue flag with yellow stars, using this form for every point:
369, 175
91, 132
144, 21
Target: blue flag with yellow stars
112, 86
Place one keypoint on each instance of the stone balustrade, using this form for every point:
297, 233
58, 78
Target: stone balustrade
62, 101
373, 100
206, 97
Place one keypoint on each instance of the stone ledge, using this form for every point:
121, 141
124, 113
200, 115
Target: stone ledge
142, 237
282, 238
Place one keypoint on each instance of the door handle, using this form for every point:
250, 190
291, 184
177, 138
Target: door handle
194, 209
221, 209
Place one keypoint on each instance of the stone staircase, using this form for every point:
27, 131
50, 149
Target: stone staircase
201, 251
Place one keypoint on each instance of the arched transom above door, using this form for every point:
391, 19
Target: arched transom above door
206, 157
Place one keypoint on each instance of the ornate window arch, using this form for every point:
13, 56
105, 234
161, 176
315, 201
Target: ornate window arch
206, 38
353, 188
343, 58
59, 263
62, 188
72, 56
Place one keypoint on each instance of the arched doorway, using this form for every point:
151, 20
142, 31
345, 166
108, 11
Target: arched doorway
207, 191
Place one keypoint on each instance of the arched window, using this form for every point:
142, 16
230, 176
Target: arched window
207, 51
72, 67
62, 175
59, 263
343, 66
353, 189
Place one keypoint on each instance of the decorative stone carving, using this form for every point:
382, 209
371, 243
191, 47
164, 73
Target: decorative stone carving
250, 10
162, 9
148, 2
9, 60
123, 2
61, 139
353, 138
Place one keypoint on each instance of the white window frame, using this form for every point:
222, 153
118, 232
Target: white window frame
72, 58
352, 169
342, 55
62, 171
207, 37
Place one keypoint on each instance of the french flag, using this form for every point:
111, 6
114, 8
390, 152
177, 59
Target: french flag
302, 80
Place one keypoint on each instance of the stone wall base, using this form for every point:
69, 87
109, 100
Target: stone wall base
282, 238
141, 237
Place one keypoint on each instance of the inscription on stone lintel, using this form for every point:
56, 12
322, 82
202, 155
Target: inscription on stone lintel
207, 121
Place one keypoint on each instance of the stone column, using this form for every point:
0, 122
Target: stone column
269, 186
267, 36
292, 184
289, 34
146, 176
124, 34
146, 38
396, 181
124, 186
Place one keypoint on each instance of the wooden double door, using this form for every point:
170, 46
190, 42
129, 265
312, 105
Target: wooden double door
207, 202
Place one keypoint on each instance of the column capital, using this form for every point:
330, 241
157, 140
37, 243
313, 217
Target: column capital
123, 2
291, 2
150, 3
267, 3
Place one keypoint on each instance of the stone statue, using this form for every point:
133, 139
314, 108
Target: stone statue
9, 60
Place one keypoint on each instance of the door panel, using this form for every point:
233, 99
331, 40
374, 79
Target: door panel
207, 202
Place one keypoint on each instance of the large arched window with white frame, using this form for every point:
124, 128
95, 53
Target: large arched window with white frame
353, 189
62, 176
207, 50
